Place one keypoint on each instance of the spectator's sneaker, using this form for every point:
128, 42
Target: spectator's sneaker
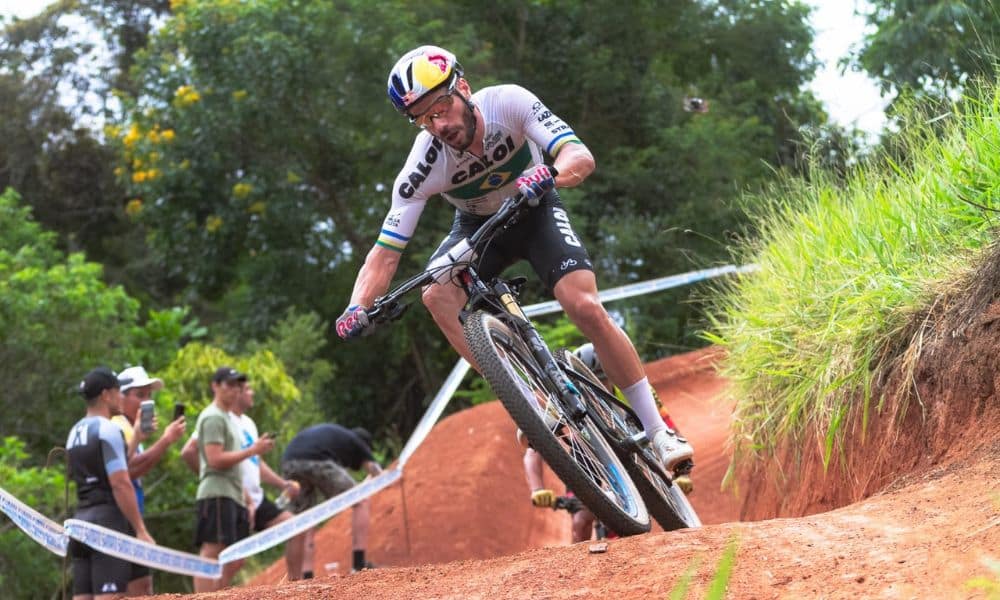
671, 448
368, 565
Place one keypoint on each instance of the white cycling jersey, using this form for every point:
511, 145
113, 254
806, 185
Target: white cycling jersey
517, 127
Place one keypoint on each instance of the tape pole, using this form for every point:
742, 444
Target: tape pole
126, 547
308, 519
44, 531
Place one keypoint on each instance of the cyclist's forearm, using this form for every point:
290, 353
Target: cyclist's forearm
375, 276
574, 163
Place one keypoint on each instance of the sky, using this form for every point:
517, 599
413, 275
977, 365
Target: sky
851, 99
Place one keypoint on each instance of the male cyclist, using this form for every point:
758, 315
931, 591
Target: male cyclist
475, 150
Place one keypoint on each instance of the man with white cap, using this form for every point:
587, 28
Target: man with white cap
140, 459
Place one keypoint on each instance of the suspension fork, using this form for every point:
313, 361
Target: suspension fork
565, 388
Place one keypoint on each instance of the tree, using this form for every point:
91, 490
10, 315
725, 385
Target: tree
930, 48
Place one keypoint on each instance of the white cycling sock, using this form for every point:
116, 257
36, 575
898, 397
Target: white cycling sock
640, 398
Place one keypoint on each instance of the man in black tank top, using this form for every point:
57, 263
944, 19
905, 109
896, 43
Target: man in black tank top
98, 464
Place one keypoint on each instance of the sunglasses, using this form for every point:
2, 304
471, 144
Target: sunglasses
436, 110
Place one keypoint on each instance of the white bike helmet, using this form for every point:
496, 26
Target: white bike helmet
588, 357
420, 72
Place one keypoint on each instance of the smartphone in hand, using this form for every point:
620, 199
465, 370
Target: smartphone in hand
178, 410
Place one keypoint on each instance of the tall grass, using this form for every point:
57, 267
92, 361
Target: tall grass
845, 266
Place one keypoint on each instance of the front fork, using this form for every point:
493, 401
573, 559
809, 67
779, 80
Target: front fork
568, 393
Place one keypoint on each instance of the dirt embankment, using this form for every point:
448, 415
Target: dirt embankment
908, 511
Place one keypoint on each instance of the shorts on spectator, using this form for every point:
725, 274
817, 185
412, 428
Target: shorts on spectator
95, 572
319, 480
221, 520
266, 512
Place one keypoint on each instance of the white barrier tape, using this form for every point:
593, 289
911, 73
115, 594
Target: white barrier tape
645, 287
47, 533
434, 411
308, 519
126, 547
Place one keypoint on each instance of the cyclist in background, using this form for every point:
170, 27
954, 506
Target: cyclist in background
475, 149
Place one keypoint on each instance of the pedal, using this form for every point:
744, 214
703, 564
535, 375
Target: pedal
683, 468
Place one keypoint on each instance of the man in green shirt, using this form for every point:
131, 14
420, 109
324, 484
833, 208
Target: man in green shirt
222, 517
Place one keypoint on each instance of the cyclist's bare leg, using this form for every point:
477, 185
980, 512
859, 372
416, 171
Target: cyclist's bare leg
445, 301
577, 293
583, 525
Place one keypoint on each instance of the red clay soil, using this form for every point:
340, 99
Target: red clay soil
919, 508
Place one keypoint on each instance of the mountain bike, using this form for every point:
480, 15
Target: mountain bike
593, 449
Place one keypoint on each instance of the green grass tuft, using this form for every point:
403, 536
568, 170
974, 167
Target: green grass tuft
846, 266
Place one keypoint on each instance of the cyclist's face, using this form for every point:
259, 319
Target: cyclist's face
447, 117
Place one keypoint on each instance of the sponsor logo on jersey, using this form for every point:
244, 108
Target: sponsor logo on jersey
491, 140
569, 262
109, 587
417, 177
393, 218
499, 154
562, 224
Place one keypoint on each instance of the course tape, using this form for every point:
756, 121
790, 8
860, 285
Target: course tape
134, 550
47, 533
306, 520
646, 287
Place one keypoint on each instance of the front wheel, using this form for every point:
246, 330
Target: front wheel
575, 449
667, 503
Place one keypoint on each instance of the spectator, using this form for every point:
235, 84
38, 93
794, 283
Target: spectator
141, 460
262, 512
222, 517
104, 493
318, 458
582, 519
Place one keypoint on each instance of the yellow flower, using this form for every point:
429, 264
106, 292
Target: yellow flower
118, 171
153, 136
137, 164
112, 131
213, 223
154, 157
134, 207
153, 174
239, 95
185, 165
185, 96
242, 190
138, 177
257, 208
132, 136
167, 135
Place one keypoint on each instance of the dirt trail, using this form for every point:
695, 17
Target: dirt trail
467, 530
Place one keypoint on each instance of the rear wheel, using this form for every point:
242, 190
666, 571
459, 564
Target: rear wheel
575, 449
666, 502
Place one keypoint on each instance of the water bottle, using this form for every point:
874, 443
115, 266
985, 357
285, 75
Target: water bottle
285, 498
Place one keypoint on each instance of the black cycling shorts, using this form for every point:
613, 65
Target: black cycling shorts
94, 572
221, 520
543, 236
265, 512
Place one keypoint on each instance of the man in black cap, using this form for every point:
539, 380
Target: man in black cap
222, 517
98, 463
318, 458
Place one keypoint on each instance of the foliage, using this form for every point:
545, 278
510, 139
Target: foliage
930, 48
44, 490
58, 319
843, 267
